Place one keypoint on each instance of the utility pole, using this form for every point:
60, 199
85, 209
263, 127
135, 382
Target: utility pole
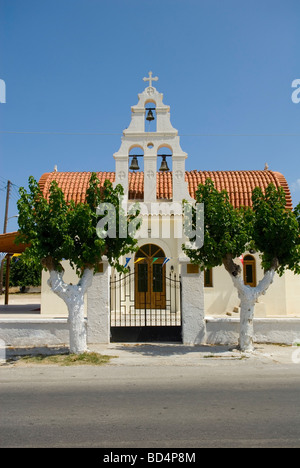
4, 231
7, 279
6, 206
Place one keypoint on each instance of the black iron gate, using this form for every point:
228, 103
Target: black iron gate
156, 318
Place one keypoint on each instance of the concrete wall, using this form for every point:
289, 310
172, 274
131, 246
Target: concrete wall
266, 330
47, 332
292, 293
34, 332
222, 297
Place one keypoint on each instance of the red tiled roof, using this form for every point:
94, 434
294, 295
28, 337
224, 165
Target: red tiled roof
239, 184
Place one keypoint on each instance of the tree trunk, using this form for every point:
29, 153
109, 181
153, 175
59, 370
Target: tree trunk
246, 326
248, 297
73, 296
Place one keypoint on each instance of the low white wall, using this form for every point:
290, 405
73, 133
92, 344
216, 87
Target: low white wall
34, 332
266, 330
47, 332
222, 330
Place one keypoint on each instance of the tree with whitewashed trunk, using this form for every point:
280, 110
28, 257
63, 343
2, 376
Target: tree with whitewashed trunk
268, 227
58, 230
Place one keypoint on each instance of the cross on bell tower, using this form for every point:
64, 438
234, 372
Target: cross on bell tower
150, 79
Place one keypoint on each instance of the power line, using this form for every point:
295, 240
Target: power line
241, 135
7, 186
5, 181
61, 133
13, 196
182, 135
15, 187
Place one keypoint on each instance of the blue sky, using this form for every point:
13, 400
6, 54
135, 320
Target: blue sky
225, 68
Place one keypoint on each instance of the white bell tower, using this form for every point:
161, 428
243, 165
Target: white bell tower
149, 143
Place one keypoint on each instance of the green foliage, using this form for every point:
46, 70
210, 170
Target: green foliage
24, 273
297, 213
42, 223
226, 229
275, 230
58, 230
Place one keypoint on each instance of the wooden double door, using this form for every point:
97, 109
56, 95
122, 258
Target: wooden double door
150, 278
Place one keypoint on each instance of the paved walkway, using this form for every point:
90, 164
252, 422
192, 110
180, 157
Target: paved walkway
180, 355
157, 354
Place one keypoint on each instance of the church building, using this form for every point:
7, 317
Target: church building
163, 296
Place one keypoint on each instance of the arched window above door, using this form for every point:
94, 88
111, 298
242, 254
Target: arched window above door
250, 270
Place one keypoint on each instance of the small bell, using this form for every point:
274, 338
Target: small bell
134, 166
164, 165
150, 116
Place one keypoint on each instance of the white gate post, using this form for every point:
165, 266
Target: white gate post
192, 303
98, 307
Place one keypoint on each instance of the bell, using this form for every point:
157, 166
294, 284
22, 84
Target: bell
164, 165
134, 166
150, 116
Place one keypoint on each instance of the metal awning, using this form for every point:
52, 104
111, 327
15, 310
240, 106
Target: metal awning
7, 243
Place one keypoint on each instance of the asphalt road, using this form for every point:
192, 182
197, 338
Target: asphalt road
223, 401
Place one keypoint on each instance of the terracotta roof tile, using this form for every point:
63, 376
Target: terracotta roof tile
239, 184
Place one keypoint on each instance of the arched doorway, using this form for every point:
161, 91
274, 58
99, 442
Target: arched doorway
150, 278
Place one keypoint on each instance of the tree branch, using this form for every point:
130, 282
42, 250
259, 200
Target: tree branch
232, 268
86, 280
264, 284
48, 263
57, 283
